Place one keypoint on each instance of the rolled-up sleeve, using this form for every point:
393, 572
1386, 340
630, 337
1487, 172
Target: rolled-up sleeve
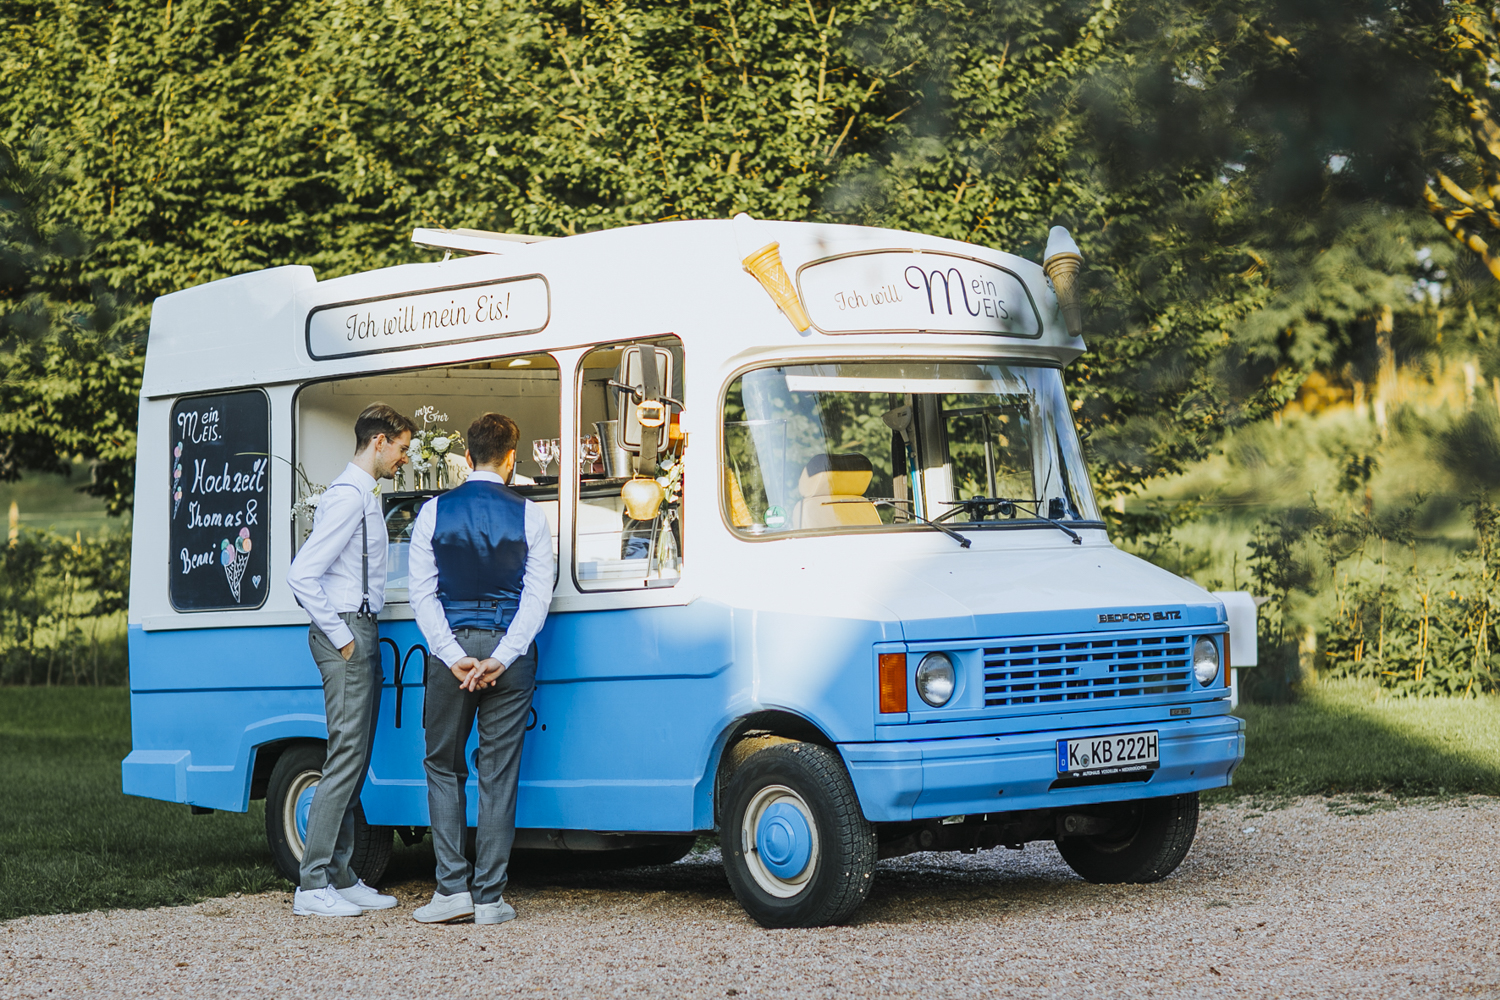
536, 589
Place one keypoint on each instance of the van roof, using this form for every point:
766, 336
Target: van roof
858, 284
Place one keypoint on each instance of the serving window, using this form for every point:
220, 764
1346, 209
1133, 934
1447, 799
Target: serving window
442, 402
628, 523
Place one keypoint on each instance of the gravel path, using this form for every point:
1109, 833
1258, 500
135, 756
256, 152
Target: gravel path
1318, 898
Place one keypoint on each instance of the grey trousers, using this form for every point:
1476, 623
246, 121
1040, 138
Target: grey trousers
351, 698
448, 713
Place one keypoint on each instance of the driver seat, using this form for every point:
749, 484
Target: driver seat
832, 488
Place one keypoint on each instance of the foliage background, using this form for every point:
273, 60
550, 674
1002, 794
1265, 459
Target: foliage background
1264, 190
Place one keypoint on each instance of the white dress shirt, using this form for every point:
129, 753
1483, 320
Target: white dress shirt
536, 584
326, 575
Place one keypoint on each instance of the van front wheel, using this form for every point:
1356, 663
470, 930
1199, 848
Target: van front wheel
796, 848
289, 793
1148, 843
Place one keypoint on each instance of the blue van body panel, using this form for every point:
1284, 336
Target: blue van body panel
615, 743
634, 707
820, 668
929, 779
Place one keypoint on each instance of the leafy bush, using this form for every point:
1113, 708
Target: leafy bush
1348, 596
62, 605
1422, 631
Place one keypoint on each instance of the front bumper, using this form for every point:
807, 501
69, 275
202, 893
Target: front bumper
928, 779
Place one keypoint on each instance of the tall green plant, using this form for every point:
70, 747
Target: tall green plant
61, 603
1423, 631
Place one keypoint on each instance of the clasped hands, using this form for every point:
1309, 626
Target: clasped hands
475, 674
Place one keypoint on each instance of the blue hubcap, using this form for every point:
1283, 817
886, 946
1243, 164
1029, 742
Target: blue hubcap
304, 805
783, 839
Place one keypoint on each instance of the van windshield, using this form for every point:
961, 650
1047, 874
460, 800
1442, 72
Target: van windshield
865, 446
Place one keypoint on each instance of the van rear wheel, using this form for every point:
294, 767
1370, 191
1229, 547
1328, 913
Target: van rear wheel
289, 794
1147, 845
796, 848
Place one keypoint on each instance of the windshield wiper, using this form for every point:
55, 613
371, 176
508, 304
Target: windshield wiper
999, 507
892, 501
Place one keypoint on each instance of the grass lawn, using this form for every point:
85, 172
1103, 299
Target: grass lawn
1349, 737
70, 841
51, 502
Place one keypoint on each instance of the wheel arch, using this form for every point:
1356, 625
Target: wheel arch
770, 725
263, 758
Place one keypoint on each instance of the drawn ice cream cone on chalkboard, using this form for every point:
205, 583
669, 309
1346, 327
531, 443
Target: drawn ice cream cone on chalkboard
176, 478
235, 556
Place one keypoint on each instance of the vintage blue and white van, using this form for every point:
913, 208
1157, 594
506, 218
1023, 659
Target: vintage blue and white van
870, 609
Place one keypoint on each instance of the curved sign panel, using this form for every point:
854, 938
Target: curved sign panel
505, 308
888, 291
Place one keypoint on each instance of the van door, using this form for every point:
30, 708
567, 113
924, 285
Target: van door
628, 682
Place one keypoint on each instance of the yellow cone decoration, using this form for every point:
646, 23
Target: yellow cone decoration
1061, 266
765, 264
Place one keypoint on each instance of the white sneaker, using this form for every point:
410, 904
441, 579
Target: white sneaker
366, 898
493, 913
324, 902
445, 909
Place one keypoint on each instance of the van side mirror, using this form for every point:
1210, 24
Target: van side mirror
644, 402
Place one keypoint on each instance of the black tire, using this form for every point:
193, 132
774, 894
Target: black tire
809, 780
297, 769
668, 852
1150, 844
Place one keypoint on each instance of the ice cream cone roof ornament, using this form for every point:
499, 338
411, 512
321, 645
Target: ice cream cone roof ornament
766, 265
1061, 263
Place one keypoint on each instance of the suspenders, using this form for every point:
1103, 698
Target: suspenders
364, 553
364, 562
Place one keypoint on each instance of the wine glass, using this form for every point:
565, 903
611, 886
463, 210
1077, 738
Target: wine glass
555, 453
541, 453
588, 453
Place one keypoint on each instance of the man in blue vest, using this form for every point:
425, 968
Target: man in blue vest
480, 584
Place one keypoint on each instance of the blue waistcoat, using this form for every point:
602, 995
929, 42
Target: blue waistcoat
479, 544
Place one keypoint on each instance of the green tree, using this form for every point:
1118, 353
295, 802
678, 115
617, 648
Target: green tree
1245, 178
69, 370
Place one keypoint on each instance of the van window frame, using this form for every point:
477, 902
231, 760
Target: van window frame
721, 444
295, 402
577, 490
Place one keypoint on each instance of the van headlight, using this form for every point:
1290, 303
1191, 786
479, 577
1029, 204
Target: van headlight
1205, 661
936, 679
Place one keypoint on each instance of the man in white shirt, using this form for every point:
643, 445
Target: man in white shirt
480, 585
339, 578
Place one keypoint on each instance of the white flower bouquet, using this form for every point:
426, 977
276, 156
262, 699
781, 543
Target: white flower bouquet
432, 456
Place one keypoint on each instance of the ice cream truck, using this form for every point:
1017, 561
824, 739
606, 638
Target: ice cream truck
832, 583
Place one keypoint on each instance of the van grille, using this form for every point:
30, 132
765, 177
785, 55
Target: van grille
1032, 672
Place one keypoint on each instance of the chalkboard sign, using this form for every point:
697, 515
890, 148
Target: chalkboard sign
221, 501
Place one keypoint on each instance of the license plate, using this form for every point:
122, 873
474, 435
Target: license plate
1119, 754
